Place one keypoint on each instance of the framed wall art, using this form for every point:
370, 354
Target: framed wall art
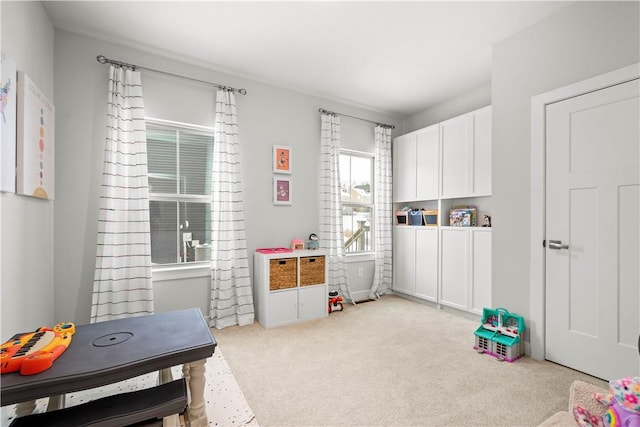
282, 191
8, 105
282, 157
35, 141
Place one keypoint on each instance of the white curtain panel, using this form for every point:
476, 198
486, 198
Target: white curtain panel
122, 281
231, 292
382, 275
331, 231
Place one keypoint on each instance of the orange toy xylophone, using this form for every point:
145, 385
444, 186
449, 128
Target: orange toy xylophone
34, 352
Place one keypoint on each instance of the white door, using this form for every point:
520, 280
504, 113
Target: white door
592, 232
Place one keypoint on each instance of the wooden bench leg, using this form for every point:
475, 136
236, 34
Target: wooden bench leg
196, 411
56, 402
25, 408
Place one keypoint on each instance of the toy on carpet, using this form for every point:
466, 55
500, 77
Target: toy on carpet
622, 405
314, 242
335, 302
500, 334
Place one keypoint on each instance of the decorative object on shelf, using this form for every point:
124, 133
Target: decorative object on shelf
430, 217
314, 242
402, 217
415, 217
35, 141
486, 222
282, 156
297, 244
463, 216
273, 250
282, 191
335, 302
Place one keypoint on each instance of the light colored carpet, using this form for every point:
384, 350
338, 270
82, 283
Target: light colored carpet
391, 362
225, 403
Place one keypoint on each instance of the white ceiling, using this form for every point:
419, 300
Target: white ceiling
394, 57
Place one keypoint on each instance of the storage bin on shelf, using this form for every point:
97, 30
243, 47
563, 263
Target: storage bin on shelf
311, 270
500, 334
283, 273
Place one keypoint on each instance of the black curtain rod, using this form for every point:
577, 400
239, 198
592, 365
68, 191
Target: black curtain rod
104, 60
333, 113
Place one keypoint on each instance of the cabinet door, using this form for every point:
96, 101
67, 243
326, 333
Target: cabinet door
454, 261
427, 263
313, 302
404, 168
404, 260
456, 147
482, 152
283, 308
427, 161
481, 269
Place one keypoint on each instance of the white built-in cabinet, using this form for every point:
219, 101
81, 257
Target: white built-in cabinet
466, 155
439, 167
416, 267
290, 287
417, 155
465, 274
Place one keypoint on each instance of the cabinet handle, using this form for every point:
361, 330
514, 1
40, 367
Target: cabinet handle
282, 262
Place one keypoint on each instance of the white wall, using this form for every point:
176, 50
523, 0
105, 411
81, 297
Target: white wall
267, 115
581, 41
26, 233
463, 103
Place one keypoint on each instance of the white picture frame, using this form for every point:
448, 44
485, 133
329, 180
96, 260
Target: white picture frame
282, 190
282, 159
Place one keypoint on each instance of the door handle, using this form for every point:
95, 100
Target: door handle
557, 244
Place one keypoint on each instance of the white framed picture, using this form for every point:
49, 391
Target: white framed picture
282, 158
282, 190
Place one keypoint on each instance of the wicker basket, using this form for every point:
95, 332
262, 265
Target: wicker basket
283, 273
311, 270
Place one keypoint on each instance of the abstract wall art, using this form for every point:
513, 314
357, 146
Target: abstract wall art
36, 141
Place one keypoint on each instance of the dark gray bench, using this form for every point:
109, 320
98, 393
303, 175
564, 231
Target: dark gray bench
140, 408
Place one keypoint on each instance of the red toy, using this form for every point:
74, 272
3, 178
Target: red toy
335, 302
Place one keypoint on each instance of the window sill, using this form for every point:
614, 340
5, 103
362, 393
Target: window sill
180, 271
363, 257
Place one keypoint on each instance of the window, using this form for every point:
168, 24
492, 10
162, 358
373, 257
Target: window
179, 164
356, 182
